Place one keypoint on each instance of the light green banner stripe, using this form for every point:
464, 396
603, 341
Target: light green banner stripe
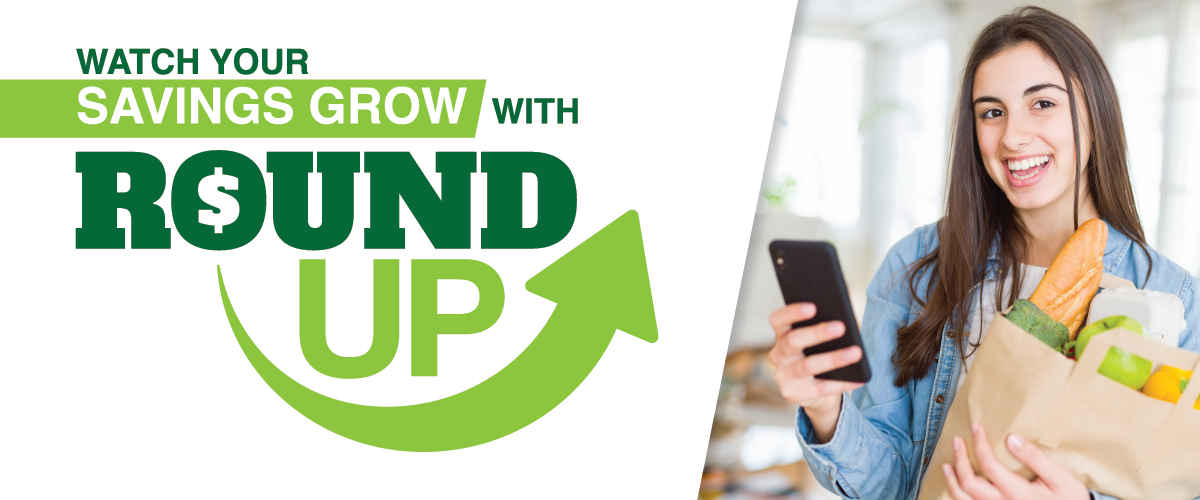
50, 109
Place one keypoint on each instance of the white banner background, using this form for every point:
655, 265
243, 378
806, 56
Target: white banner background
120, 376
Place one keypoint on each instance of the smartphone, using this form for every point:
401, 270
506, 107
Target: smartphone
809, 271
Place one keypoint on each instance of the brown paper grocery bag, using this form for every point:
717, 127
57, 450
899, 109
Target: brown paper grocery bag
1114, 439
1120, 441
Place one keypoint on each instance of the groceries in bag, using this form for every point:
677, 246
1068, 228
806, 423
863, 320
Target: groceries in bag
1066, 297
1127, 445
1067, 289
1130, 370
1030, 318
1160, 313
1168, 385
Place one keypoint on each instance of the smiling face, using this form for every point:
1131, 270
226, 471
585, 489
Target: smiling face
1023, 125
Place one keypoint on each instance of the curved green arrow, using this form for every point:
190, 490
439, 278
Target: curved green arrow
599, 286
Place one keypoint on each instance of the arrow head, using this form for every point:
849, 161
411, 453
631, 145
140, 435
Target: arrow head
604, 277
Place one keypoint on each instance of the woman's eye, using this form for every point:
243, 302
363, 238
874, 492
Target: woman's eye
1042, 104
992, 113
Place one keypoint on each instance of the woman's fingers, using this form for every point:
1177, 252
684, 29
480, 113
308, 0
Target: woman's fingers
1054, 475
795, 372
783, 318
973, 485
952, 484
1000, 482
794, 342
805, 390
821, 363
800, 390
1004, 479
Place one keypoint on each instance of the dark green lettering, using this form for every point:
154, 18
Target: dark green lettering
249, 199
92, 63
508, 110
556, 206
118, 61
574, 110
139, 53
446, 220
154, 62
290, 204
194, 60
221, 57
237, 61
544, 101
297, 57
266, 65
147, 182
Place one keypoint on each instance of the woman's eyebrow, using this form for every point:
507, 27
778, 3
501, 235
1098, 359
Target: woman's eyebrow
1042, 86
1028, 91
988, 98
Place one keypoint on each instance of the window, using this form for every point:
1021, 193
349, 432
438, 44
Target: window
920, 137
1156, 74
1139, 69
815, 142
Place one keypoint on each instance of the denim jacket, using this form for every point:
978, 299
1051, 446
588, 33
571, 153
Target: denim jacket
885, 434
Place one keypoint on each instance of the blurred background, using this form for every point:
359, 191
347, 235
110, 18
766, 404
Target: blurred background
858, 157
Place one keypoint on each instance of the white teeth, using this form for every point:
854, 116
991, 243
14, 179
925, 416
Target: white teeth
1028, 163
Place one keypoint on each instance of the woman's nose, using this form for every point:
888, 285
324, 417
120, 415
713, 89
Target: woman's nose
1018, 132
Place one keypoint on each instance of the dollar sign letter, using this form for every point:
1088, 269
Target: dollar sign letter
227, 206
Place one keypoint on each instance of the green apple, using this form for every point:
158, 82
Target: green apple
1102, 326
1127, 369
1119, 364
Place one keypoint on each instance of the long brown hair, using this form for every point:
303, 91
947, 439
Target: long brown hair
977, 211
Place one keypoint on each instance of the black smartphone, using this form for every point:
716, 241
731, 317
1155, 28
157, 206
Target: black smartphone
809, 271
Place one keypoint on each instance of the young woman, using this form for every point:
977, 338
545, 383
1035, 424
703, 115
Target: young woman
1038, 148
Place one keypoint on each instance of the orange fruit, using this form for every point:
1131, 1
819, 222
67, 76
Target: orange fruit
1167, 384
1163, 385
1183, 375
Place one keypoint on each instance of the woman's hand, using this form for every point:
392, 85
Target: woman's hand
795, 372
1053, 481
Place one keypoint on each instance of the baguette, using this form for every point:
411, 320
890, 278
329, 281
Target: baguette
1067, 289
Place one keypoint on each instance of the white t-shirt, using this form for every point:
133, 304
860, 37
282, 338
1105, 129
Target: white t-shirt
1033, 276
